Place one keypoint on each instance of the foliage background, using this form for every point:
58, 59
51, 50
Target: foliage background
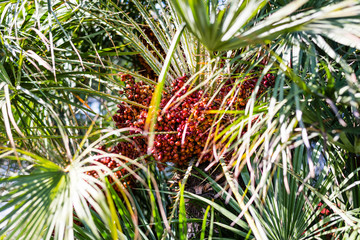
59, 59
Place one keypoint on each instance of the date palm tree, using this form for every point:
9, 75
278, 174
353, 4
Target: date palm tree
288, 160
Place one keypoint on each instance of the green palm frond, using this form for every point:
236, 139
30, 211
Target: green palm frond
46, 198
239, 24
42, 201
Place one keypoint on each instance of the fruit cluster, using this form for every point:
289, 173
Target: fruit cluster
182, 129
247, 87
123, 148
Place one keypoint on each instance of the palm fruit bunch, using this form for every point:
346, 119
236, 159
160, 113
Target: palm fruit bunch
183, 128
188, 119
